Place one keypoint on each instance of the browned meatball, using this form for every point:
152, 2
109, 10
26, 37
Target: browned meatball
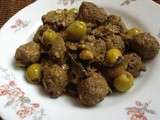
99, 51
113, 19
54, 80
96, 46
114, 25
93, 89
145, 45
105, 30
89, 12
58, 49
116, 20
27, 54
115, 41
135, 64
59, 19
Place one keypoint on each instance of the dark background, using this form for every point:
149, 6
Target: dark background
9, 7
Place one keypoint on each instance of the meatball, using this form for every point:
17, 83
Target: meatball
89, 12
93, 89
105, 30
58, 49
54, 80
135, 64
99, 51
59, 19
145, 45
116, 20
113, 19
115, 41
96, 46
27, 54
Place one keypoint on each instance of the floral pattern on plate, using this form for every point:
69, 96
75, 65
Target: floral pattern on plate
17, 99
127, 2
139, 111
19, 24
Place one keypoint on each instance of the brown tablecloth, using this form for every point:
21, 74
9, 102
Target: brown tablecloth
9, 7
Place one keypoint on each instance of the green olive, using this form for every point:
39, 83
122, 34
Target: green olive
33, 73
76, 30
73, 10
113, 55
86, 55
124, 82
49, 36
134, 31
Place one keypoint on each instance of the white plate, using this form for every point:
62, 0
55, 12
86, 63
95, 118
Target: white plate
20, 100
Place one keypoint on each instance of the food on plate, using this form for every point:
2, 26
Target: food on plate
115, 41
59, 19
96, 47
112, 55
93, 89
76, 30
33, 73
134, 31
55, 80
123, 82
114, 71
57, 49
116, 20
145, 45
39, 33
86, 53
134, 64
89, 12
27, 54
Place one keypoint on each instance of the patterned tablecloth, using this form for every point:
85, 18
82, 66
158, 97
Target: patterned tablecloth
9, 7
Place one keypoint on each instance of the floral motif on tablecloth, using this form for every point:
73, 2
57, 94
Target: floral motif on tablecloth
20, 24
16, 98
127, 2
139, 111
66, 2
